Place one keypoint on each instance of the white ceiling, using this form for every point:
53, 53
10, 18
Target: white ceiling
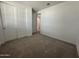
38, 5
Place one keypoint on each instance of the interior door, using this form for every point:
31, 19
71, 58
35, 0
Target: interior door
9, 21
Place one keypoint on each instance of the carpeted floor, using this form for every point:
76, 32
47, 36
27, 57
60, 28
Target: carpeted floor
38, 46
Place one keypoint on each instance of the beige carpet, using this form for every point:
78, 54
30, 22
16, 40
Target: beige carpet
38, 46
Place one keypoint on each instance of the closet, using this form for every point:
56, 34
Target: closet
9, 21
1, 30
21, 22
13, 22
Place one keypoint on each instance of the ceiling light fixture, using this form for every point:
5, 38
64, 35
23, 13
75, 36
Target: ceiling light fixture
48, 4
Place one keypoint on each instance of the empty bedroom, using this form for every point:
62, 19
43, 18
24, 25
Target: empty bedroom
39, 29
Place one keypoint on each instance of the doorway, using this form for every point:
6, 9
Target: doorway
38, 22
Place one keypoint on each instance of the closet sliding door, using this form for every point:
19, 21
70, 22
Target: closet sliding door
9, 21
21, 22
1, 29
14, 21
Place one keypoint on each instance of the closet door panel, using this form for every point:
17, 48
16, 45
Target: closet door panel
9, 21
1, 30
21, 22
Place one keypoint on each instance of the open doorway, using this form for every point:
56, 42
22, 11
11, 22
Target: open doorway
34, 21
36, 17
38, 22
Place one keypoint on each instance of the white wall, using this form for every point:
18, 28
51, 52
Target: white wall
61, 21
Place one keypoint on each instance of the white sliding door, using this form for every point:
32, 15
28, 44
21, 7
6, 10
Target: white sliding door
1, 30
21, 22
17, 21
9, 21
